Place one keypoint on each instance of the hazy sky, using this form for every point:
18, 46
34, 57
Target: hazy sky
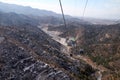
108, 9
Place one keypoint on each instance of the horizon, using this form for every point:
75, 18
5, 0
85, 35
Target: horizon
108, 10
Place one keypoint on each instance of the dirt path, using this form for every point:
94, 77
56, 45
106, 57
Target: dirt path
54, 35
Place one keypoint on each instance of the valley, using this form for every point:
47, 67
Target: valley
35, 45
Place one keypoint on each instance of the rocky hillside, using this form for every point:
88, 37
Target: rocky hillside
29, 53
103, 46
100, 42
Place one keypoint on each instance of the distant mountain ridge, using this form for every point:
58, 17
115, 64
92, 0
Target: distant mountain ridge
44, 15
101, 21
5, 7
13, 13
13, 19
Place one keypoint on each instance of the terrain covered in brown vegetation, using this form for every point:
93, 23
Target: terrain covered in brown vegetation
29, 53
101, 43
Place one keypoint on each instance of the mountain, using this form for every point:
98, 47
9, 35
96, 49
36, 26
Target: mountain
26, 52
100, 42
13, 19
43, 16
4, 7
29, 53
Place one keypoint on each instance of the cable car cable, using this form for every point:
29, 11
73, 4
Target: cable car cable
63, 14
85, 7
